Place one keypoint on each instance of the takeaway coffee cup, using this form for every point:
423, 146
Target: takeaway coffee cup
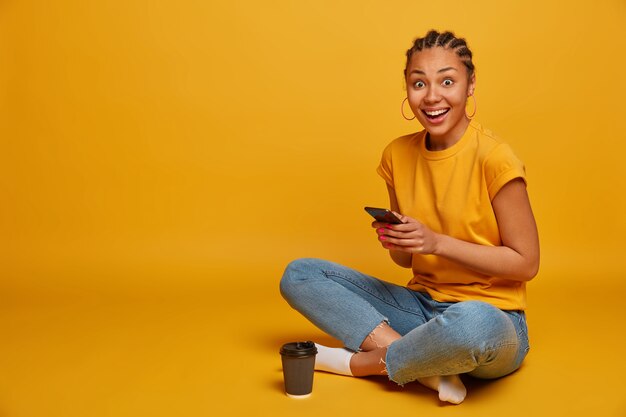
298, 363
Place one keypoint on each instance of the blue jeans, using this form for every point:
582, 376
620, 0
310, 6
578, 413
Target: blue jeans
438, 338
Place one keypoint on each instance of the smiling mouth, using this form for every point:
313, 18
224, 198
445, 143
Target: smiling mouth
436, 113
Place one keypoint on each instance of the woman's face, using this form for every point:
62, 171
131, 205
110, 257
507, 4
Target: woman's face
437, 88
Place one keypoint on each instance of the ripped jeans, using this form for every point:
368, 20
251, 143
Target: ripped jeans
438, 338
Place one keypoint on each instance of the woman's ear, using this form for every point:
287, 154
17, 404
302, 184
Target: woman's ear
471, 86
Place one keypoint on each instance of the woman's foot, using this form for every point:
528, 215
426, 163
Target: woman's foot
450, 387
335, 360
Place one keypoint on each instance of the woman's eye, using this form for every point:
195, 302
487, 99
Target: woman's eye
419, 84
448, 82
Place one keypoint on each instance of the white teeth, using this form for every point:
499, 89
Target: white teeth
436, 113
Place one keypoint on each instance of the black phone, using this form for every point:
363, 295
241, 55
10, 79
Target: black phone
383, 215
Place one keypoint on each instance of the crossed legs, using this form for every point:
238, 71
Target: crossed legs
430, 342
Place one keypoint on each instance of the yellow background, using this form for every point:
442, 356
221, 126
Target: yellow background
161, 162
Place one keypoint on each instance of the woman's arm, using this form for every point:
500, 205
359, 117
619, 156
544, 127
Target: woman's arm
517, 258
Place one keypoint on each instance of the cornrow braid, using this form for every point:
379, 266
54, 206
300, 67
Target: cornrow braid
447, 40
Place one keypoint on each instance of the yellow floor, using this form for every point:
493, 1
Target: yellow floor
190, 352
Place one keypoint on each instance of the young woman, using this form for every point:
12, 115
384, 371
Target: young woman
468, 234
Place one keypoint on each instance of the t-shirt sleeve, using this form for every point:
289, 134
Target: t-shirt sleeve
385, 168
502, 166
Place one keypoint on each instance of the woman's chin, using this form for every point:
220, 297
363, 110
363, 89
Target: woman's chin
443, 128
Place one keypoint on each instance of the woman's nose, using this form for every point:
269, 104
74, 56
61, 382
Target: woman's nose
432, 95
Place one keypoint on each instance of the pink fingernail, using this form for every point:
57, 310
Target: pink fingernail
383, 238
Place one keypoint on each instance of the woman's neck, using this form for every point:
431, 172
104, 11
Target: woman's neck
450, 138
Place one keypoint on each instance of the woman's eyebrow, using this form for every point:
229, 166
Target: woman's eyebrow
416, 71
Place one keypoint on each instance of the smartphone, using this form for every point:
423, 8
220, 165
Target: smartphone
383, 215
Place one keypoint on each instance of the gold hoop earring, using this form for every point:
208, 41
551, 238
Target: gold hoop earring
475, 108
402, 109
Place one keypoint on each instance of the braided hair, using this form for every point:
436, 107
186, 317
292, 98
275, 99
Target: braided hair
447, 40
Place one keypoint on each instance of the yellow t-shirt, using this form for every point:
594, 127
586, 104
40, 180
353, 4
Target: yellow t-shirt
451, 191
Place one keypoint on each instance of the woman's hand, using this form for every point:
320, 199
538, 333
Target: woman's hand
410, 236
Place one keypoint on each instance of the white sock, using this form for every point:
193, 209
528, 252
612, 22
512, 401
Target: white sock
335, 360
450, 387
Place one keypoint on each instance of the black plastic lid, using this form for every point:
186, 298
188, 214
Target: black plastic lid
298, 349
